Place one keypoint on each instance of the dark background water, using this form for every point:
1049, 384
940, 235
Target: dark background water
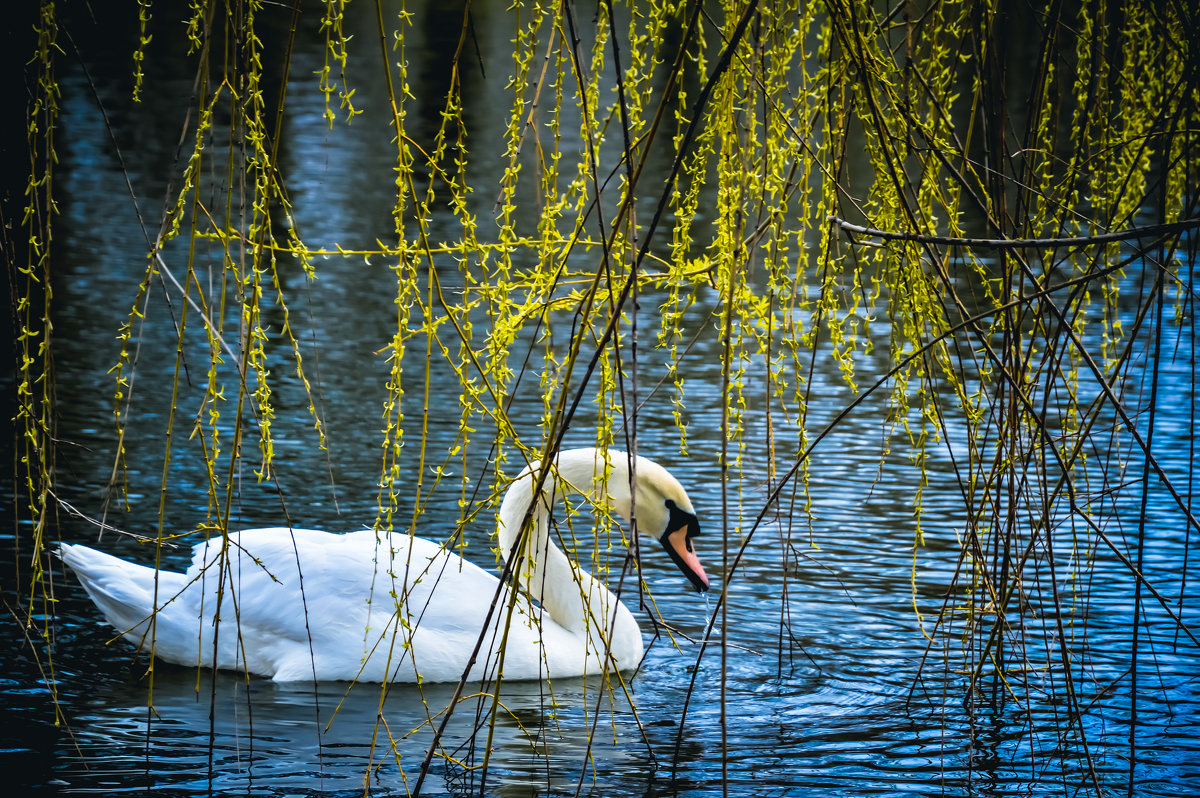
827, 685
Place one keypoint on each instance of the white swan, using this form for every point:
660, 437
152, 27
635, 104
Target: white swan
295, 604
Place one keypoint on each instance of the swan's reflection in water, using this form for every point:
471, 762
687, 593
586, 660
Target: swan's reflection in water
221, 734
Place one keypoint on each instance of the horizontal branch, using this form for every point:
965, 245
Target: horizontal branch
1014, 243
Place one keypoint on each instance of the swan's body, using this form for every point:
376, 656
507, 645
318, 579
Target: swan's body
301, 604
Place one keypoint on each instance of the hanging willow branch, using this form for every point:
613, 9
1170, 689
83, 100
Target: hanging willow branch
1152, 231
1073, 242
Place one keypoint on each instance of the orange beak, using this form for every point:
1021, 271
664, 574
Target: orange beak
679, 545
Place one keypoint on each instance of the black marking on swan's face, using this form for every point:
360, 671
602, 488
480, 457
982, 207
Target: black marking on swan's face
682, 526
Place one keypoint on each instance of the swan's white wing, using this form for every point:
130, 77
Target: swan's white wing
301, 603
347, 606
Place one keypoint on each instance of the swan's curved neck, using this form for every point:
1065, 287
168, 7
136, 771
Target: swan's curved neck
572, 597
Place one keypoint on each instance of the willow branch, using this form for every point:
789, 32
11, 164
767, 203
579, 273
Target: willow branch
1020, 243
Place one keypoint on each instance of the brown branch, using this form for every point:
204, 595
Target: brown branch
1020, 243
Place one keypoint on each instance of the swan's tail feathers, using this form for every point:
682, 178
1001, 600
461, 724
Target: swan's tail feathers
124, 591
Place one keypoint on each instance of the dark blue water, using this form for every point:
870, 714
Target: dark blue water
846, 661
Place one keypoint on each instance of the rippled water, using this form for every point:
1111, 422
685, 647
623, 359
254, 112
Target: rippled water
826, 685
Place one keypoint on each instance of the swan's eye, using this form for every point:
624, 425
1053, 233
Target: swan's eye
678, 518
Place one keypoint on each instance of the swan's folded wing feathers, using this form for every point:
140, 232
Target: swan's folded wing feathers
260, 575
307, 584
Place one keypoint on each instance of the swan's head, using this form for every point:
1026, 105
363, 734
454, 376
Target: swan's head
663, 508
665, 512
